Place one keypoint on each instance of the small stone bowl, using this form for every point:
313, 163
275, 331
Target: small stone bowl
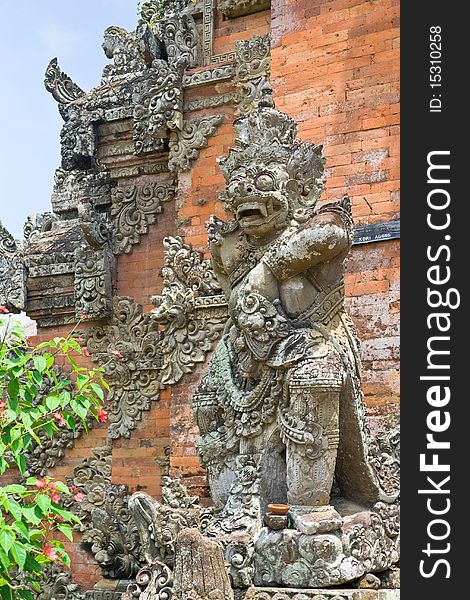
278, 509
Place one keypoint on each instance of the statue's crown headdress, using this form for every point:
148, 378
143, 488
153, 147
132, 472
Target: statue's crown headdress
267, 135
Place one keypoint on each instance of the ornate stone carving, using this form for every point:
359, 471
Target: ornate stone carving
276, 593
239, 8
210, 102
253, 58
132, 52
252, 73
175, 494
281, 404
385, 457
208, 76
72, 187
158, 107
366, 541
134, 208
178, 31
94, 264
239, 523
190, 308
57, 583
107, 526
152, 582
185, 144
159, 525
93, 283
134, 379
63, 89
208, 18
38, 223
12, 273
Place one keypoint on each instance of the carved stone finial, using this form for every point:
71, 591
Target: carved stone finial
200, 571
12, 273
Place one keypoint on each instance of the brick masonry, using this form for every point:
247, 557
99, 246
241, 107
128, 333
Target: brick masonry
334, 69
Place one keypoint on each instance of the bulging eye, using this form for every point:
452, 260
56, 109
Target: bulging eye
264, 182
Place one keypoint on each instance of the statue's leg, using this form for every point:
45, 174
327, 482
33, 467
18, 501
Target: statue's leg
310, 426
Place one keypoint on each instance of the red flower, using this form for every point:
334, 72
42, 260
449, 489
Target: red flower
84, 315
102, 415
117, 354
55, 497
79, 497
79, 339
40, 483
3, 405
50, 552
3, 310
85, 352
58, 417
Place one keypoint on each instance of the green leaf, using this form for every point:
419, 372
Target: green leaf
31, 564
69, 419
44, 503
6, 593
37, 376
14, 488
13, 508
26, 594
61, 487
78, 409
82, 380
13, 388
40, 363
5, 561
21, 528
19, 554
67, 531
52, 402
6, 540
98, 391
20, 463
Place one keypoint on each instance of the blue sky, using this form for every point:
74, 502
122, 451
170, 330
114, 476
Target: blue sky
33, 32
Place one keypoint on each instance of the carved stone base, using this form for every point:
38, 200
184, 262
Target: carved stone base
260, 593
326, 548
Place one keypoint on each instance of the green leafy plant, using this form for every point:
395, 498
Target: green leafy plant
31, 512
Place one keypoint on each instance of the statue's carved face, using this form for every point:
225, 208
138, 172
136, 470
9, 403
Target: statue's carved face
256, 198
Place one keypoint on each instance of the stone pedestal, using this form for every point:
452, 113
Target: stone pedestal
271, 593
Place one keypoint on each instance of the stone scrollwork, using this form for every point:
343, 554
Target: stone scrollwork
385, 457
134, 208
185, 144
12, 272
158, 107
107, 526
57, 583
177, 30
191, 310
63, 89
253, 58
38, 223
152, 582
134, 378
